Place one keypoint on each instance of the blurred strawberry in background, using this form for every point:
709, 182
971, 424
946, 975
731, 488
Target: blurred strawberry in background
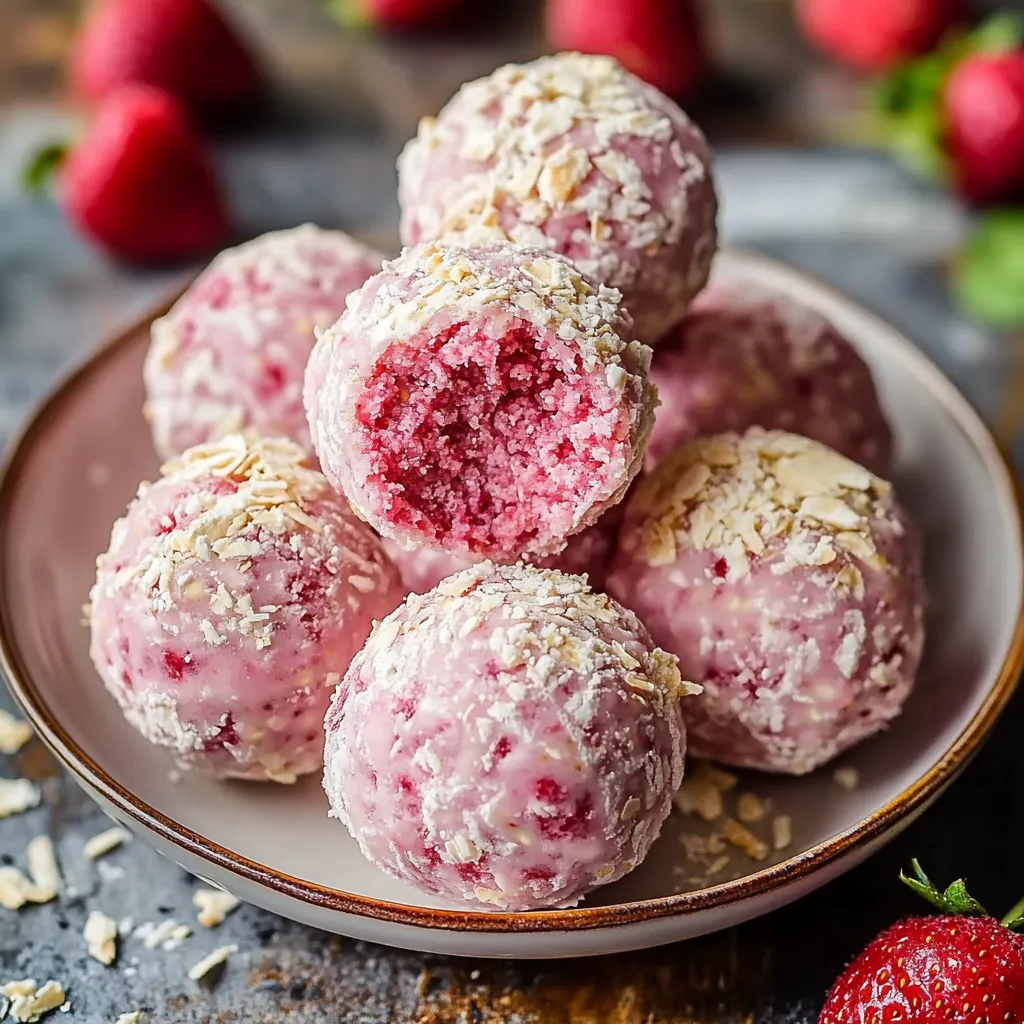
139, 183
983, 100
957, 113
875, 34
184, 47
658, 40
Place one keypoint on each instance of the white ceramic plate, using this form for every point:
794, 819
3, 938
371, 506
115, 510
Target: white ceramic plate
77, 464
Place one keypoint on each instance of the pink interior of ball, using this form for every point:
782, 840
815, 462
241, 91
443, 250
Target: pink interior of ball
491, 437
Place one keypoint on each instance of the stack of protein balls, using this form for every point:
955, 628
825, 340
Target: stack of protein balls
481, 410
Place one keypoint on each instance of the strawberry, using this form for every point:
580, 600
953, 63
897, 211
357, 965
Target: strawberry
182, 46
960, 965
391, 14
983, 102
658, 40
139, 183
874, 34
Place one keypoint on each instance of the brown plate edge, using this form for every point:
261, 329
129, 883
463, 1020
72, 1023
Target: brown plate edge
927, 787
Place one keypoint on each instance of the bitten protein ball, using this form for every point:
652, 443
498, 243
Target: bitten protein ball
231, 354
788, 581
571, 153
489, 402
233, 595
745, 356
586, 554
510, 740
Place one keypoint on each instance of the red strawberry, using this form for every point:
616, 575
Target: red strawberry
182, 46
139, 183
961, 965
984, 113
875, 34
658, 40
392, 14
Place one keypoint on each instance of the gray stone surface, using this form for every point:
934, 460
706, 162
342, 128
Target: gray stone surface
849, 218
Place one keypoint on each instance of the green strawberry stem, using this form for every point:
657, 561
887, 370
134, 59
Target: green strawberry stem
955, 899
42, 166
1015, 918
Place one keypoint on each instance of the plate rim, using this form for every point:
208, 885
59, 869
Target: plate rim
913, 798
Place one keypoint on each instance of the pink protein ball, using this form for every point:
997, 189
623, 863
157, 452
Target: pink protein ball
745, 356
571, 153
231, 354
788, 581
489, 402
233, 595
586, 554
510, 739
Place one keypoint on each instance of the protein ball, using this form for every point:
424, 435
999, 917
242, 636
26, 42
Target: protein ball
745, 356
788, 581
233, 595
230, 355
488, 402
510, 740
571, 153
586, 554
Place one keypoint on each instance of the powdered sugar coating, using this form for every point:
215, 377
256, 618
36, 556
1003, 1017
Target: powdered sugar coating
571, 153
746, 356
788, 581
488, 401
510, 739
585, 554
231, 599
230, 355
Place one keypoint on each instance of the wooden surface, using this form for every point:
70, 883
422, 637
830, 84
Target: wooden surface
324, 150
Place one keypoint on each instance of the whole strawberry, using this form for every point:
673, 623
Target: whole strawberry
658, 40
874, 34
960, 965
184, 47
983, 102
139, 183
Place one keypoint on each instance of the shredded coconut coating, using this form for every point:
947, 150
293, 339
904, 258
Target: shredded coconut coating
788, 581
571, 153
586, 554
510, 740
231, 599
230, 355
746, 356
488, 401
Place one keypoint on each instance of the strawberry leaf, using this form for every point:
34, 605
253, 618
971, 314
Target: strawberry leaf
960, 901
41, 168
349, 13
927, 890
999, 34
988, 278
